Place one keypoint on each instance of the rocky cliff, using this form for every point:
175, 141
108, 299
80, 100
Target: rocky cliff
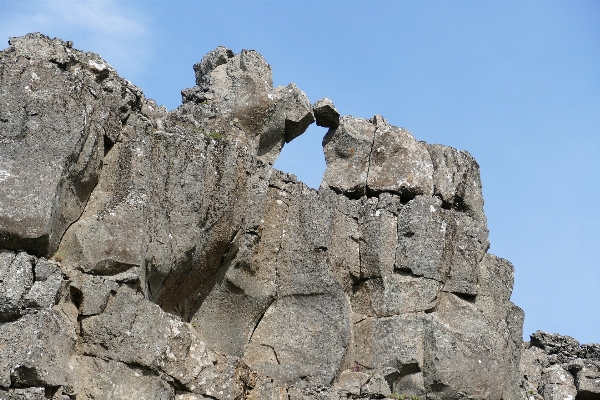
158, 255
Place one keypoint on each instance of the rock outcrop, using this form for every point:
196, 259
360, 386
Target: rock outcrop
158, 255
558, 367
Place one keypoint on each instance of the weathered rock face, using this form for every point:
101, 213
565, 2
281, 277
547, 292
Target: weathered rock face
180, 265
60, 112
558, 367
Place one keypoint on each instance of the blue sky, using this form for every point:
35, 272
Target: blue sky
515, 83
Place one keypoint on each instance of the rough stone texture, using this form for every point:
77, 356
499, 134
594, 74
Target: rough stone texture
60, 110
326, 114
347, 154
351, 382
32, 393
235, 98
108, 379
16, 278
134, 331
558, 384
371, 156
183, 266
558, 367
398, 163
587, 381
460, 334
456, 180
27, 282
36, 350
440, 244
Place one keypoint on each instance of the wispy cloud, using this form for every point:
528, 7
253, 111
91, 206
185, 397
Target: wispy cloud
118, 31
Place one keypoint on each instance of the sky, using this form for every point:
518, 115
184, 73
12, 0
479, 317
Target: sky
515, 83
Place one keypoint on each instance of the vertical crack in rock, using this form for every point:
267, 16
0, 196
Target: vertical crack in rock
376, 120
366, 188
258, 321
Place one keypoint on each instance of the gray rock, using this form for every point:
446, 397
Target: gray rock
262, 387
108, 379
45, 269
184, 266
561, 348
44, 293
94, 292
292, 106
16, 278
343, 245
34, 393
398, 163
590, 351
282, 256
456, 180
440, 244
394, 294
235, 98
36, 350
422, 239
60, 110
458, 334
395, 342
134, 331
496, 279
467, 241
300, 337
587, 381
372, 155
411, 384
558, 384
347, 155
210, 61
351, 382
554, 365
378, 240
190, 396
376, 387
533, 362
326, 114
312, 393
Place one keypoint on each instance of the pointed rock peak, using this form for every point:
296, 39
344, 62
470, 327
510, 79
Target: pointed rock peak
378, 120
210, 61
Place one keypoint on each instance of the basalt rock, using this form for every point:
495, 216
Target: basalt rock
326, 114
146, 254
558, 367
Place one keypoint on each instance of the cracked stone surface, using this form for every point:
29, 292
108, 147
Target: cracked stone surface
148, 254
559, 367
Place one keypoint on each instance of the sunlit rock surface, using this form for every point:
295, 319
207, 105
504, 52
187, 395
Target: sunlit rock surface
146, 254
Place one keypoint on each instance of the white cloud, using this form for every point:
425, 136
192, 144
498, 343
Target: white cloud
118, 31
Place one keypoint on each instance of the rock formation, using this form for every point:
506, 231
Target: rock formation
158, 255
558, 367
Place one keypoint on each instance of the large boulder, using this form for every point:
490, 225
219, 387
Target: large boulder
60, 111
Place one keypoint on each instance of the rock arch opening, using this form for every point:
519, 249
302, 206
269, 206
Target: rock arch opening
304, 157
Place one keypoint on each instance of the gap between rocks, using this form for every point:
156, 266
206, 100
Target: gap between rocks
304, 157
